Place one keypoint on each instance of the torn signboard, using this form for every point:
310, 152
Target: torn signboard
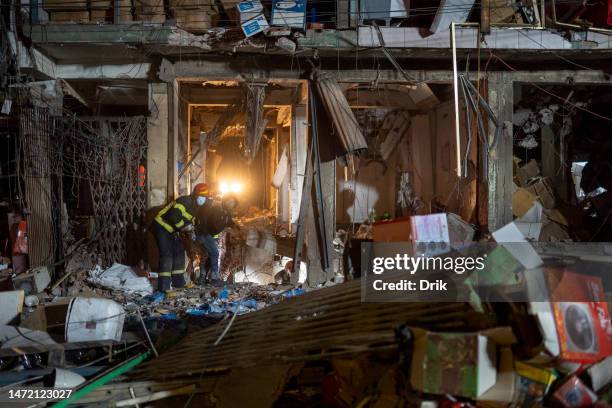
289, 13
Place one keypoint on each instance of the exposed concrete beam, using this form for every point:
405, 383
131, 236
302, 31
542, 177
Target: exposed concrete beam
499, 39
31, 59
114, 71
136, 33
349, 40
363, 98
223, 70
228, 96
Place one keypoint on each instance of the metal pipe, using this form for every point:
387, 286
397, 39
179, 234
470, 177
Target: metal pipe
115, 372
456, 88
456, 97
555, 22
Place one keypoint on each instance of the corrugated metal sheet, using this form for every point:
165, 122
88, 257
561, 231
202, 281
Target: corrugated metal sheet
345, 124
317, 325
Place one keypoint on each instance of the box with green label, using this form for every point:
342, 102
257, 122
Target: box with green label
460, 364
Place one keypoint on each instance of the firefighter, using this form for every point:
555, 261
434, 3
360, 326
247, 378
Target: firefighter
176, 217
212, 219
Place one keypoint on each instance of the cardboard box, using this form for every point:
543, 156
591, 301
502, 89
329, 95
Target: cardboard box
532, 221
433, 234
511, 237
190, 4
101, 15
553, 232
397, 230
527, 172
12, 305
461, 364
522, 201
231, 9
63, 5
194, 21
249, 10
459, 232
124, 12
150, 11
532, 384
34, 281
430, 234
289, 13
100, 4
151, 18
581, 316
542, 188
69, 16
600, 374
575, 323
574, 394
503, 391
501, 268
255, 26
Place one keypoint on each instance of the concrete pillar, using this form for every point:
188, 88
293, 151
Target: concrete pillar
173, 138
184, 147
298, 149
500, 96
283, 192
43, 207
316, 239
157, 138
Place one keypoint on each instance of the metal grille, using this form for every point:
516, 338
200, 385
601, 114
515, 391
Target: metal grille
106, 153
41, 199
119, 197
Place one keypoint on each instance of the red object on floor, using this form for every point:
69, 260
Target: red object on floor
581, 316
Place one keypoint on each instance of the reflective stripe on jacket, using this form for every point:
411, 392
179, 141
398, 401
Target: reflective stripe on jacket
177, 214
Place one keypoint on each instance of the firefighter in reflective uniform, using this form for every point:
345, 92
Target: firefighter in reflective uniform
212, 220
176, 217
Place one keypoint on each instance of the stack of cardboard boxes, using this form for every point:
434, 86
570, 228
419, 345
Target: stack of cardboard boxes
63, 11
535, 205
92, 11
192, 15
151, 11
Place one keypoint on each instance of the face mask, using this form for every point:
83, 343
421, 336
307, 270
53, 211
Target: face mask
200, 200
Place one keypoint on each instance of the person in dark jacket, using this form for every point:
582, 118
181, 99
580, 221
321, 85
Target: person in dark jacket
212, 219
176, 217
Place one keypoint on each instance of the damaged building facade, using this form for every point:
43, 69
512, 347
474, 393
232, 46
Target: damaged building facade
337, 125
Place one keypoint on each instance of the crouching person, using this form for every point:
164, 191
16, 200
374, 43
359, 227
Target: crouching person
176, 217
212, 219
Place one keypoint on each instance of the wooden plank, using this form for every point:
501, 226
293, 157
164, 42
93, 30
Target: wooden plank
500, 99
485, 16
422, 161
550, 154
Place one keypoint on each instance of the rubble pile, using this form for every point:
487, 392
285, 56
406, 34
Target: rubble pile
194, 301
533, 329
